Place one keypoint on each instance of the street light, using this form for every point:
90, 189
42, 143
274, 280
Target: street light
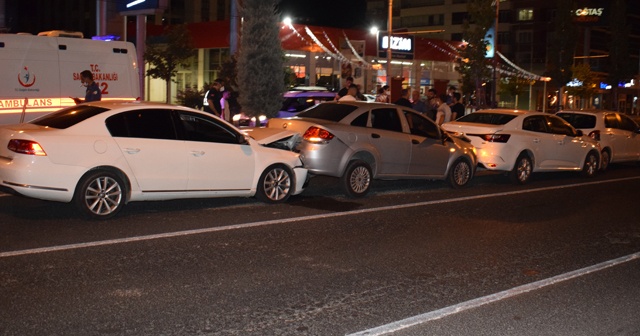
544, 93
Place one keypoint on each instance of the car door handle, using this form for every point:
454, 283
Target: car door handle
132, 150
375, 135
197, 153
536, 140
560, 142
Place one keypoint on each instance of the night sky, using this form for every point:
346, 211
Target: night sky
332, 13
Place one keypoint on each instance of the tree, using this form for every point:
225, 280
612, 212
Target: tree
164, 58
562, 46
260, 61
473, 64
513, 86
585, 85
619, 63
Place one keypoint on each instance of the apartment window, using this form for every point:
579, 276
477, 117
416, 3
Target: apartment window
503, 38
458, 18
423, 20
525, 14
460, 1
456, 37
525, 37
420, 3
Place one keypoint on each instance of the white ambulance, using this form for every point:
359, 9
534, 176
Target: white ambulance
41, 74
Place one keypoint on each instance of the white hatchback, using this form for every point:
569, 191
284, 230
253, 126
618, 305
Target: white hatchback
523, 142
619, 135
102, 155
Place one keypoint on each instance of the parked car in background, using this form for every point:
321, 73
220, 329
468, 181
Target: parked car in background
524, 142
361, 141
618, 134
102, 155
302, 98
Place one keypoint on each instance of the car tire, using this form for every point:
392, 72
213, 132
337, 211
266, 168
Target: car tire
460, 174
590, 166
275, 184
521, 172
100, 194
356, 180
606, 160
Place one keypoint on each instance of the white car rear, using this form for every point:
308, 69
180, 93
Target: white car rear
522, 142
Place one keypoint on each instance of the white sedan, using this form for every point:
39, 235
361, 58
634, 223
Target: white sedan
102, 155
522, 142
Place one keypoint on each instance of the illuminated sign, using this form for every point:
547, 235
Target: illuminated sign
589, 15
490, 38
401, 46
575, 83
134, 5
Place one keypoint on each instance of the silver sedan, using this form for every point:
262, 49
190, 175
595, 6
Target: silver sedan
361, 141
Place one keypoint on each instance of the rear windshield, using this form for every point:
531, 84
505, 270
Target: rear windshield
579, 120
69, 116
297, 104
487, 118
331, 112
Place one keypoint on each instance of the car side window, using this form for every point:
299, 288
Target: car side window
421, 126
559, 126
146, 123
205, 129
361, 120
535, 124
627, 124
386, 119
611, 120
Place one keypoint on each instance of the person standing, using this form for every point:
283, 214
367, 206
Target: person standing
214, 96
383, 94
93, 92
432, 105
418, 104
444, 111
351, 94
224, 105
404, 99
457, 108
347, 84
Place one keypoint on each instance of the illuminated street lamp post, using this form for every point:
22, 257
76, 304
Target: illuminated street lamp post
389, 30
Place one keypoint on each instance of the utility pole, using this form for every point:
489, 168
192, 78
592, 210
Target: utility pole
389, 30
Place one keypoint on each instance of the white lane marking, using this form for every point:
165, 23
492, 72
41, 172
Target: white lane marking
291, 220
481, 301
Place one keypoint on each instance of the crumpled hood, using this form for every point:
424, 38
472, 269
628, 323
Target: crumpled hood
270, 136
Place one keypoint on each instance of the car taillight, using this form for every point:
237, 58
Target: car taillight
317, 135
26, 147
595, 135
496, 137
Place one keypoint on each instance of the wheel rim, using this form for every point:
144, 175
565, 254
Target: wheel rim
461, 173
605, 160
103, 196
524, 170
360, 179
277, 184
591, 165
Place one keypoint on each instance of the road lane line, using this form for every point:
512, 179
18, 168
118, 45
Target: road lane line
291, 220
481, 301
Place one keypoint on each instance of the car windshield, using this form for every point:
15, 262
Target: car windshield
69, 116
487, 118
331, 112
579, 120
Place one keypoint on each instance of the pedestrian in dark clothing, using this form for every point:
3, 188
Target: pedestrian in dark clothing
457, 108
432, 105
404, 100
214, 96
418, 104
345, 89
93, 92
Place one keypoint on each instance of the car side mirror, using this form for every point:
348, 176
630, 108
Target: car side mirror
579, 133
242, 139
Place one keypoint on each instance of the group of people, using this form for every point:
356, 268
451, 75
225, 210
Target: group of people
439, 108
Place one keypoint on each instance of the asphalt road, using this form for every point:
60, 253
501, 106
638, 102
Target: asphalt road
555, 257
